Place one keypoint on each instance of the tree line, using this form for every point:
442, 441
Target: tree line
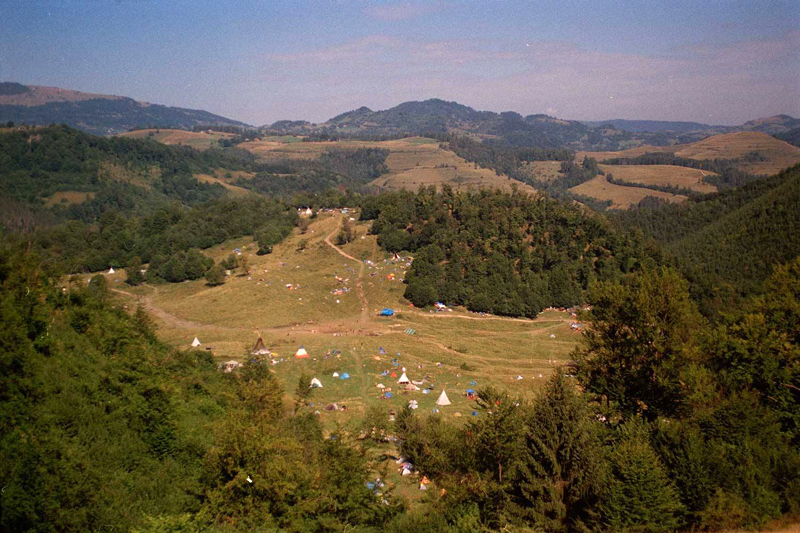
505, 253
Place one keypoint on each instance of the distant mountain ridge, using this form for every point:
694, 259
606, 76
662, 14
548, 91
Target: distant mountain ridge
542, 131
95, 113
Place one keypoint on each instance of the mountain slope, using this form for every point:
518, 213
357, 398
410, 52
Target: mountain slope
732, 238
654, 126
95, 113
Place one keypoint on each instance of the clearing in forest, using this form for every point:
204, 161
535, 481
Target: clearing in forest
683, 177
310, 292
621, 197
196, 139
412, 162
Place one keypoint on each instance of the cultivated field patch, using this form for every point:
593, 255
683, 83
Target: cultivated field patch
621, 197
683, 177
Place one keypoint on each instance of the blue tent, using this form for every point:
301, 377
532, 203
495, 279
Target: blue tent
474, 413
344, 375
387, 312
381, 350
470, 391
473, 382
388, 395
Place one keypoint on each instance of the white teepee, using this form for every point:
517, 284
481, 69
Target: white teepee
403, 379
315, 383
111, 270
196, 342
443, 399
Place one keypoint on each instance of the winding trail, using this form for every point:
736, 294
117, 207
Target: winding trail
359, 281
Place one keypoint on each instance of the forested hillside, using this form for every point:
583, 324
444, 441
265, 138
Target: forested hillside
438, 117
102, 426
676, 425
95, 113
509, 254
125, 175
727, 243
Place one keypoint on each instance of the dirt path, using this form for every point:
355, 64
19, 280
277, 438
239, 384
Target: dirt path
359, 281
451, 315
174, 321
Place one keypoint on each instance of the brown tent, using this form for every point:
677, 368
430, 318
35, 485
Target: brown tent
260, 348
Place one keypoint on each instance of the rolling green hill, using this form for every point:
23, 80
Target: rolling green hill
731, 239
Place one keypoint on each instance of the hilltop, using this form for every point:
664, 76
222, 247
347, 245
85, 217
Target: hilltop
436, 116
95, 113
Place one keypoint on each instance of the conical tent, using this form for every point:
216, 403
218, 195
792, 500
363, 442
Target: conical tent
301, 352
315, 383
443, 399
260, 348
196, 342
403, 379
111, 270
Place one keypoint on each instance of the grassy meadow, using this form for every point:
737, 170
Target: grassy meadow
341, 335
196, 139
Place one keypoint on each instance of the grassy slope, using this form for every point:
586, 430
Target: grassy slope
684, 177
198, 140
226, 319
621, 196
412, 162
779, 154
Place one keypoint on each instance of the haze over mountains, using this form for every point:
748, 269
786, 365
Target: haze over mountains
100, 114
108, 115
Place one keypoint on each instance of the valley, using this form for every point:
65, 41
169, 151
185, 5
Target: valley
228, 319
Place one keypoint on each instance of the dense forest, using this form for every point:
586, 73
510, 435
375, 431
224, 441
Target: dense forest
310, 181
727, 243
116, 173
169, 233
504, 253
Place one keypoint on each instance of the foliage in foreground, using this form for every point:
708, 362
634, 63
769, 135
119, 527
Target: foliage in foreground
103, 427
682, 424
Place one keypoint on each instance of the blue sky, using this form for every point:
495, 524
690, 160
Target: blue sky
721, 62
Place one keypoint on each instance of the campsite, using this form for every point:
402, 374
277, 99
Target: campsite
400, 266
295, 298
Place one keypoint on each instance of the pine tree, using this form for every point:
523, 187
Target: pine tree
639, 495
561, 476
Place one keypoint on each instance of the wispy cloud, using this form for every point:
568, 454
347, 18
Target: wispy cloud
404, 10
740, 81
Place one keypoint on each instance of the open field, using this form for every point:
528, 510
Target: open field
778, 154
225, 178
412, 162
226, 319
621, 197
684, 177
543, 170
199, 140
68, 198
